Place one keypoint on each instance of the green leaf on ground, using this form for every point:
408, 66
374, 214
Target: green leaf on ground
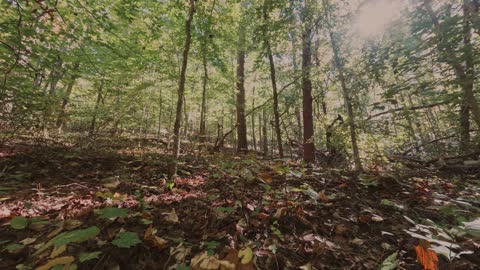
76, 236
126, 240
19, 223
108, 213
83, 257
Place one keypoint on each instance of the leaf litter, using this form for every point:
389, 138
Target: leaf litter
116, 210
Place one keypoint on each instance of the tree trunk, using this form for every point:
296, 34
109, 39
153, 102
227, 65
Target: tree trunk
264, 133
91, 131
273, 78
467, 83
203, 109
254, 139
160, 109
348, 104
66, 98
181, 88
464, 75
308, 139
242, 144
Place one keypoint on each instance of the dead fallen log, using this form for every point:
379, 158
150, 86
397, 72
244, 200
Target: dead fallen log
466, 161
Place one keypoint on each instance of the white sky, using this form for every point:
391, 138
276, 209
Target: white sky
374, 16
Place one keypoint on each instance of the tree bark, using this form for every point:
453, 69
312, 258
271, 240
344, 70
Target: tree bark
254, 139
348, 104
66, 97
273, 78
308, 139
203, 109
242, 144
91, 131
181, 86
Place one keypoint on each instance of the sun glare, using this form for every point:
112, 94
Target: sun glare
374, 16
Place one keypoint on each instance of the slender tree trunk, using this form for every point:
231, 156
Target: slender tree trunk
160, 110
203, 109
264, 133
91, 131
242, 144
66, 98
348, 104
308, 139
253, 121
273, 78
181, 87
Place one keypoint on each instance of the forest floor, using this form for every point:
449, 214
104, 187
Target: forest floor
110, 207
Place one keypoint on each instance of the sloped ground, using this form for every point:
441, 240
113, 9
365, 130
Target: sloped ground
111, 208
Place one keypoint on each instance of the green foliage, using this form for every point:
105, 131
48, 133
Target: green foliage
76, 236
126, 240
83, 257
390, 263
19, 223
108, 213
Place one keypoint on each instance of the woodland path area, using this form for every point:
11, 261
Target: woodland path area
110, 207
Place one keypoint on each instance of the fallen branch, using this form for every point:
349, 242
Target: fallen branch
410, 108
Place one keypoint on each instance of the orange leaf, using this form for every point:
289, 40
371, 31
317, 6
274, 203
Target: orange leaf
425, 256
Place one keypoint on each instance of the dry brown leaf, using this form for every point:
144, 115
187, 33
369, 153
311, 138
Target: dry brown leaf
151, 238
232, 257
281, 212
205, 262
425, 256
323, 197
57, 251
172, 216
67, 260
266, 177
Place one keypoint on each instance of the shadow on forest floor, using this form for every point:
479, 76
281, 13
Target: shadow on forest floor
81, 205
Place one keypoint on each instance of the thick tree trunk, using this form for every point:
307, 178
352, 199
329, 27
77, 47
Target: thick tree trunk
348, 104
181, 87
242, 144
308, 139
66, 97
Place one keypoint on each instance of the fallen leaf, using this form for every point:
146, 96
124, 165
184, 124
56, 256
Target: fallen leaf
281, 212
67, 260
425, 256
28, 241
377, 218
205, 262
151, 238
307, 266
57, 250
180, 252
172, 216
246, 255
266, 177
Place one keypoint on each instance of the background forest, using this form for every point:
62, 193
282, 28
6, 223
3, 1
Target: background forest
403, 82
239, 134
